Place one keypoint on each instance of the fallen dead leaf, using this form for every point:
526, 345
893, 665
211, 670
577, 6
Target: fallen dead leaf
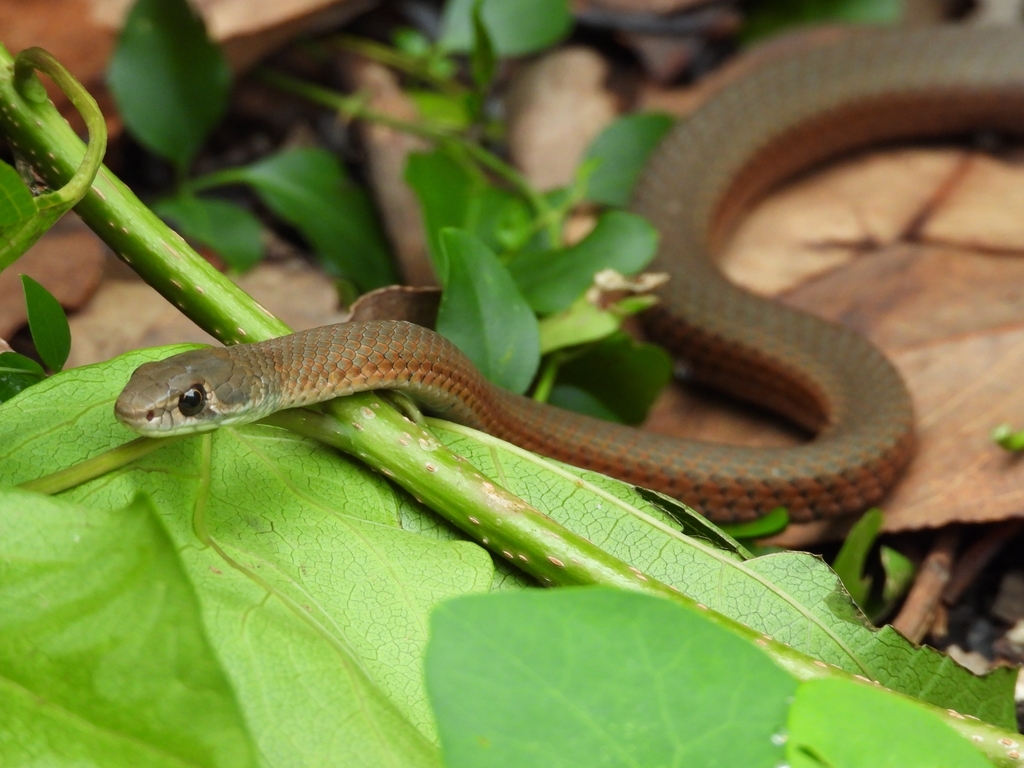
556, 106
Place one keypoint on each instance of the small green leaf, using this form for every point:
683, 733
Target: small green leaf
16, 202
233, 232
552, 280
899, 575
169, 80
1006, 438
483, 313
517, 27
768, 17
442, 110
624, 375
598, 677
844, 724
622, 149
849, 563
47, 323
769, 525
582, 323
445, 188
103, 652
18, 208
411, 41
17, 372
453, 193
482, 60
310, 189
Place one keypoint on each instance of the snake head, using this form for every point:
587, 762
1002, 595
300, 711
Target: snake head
195, 391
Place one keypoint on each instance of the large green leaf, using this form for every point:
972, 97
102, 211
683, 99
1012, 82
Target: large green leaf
103, 655
791, 596
484, 314
169, 80
233, 232
599, 677
313, 589
843, 724
623, 148
310, 189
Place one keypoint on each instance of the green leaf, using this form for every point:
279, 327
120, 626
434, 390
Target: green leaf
231, 231
482, 59
899, 575
17, 372
485, 316
791, 596
448, 112
853, 555
453, 193
582, 323
103, 654
517, 27
16, 202
769, 525
769, 17
552, 280
596, 676
622, 149
22, 222
170, 81
47, 323
626, 376
573, 398
445, 188
843, 724
310, 189
315, 577
1005, 437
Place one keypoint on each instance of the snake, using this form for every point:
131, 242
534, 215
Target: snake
710, 169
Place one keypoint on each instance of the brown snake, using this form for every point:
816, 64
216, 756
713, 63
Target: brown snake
713, 166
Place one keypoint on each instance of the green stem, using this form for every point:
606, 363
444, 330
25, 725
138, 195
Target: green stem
29, 87
92, 468
354, 108
398, 60
546, 379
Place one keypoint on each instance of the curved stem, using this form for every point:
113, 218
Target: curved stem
32, 90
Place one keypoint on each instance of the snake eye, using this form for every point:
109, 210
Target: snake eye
192, 400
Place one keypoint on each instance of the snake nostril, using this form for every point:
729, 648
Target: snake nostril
150, 415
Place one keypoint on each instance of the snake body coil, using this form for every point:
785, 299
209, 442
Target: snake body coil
791, 115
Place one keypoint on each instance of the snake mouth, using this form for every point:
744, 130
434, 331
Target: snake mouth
146, 419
